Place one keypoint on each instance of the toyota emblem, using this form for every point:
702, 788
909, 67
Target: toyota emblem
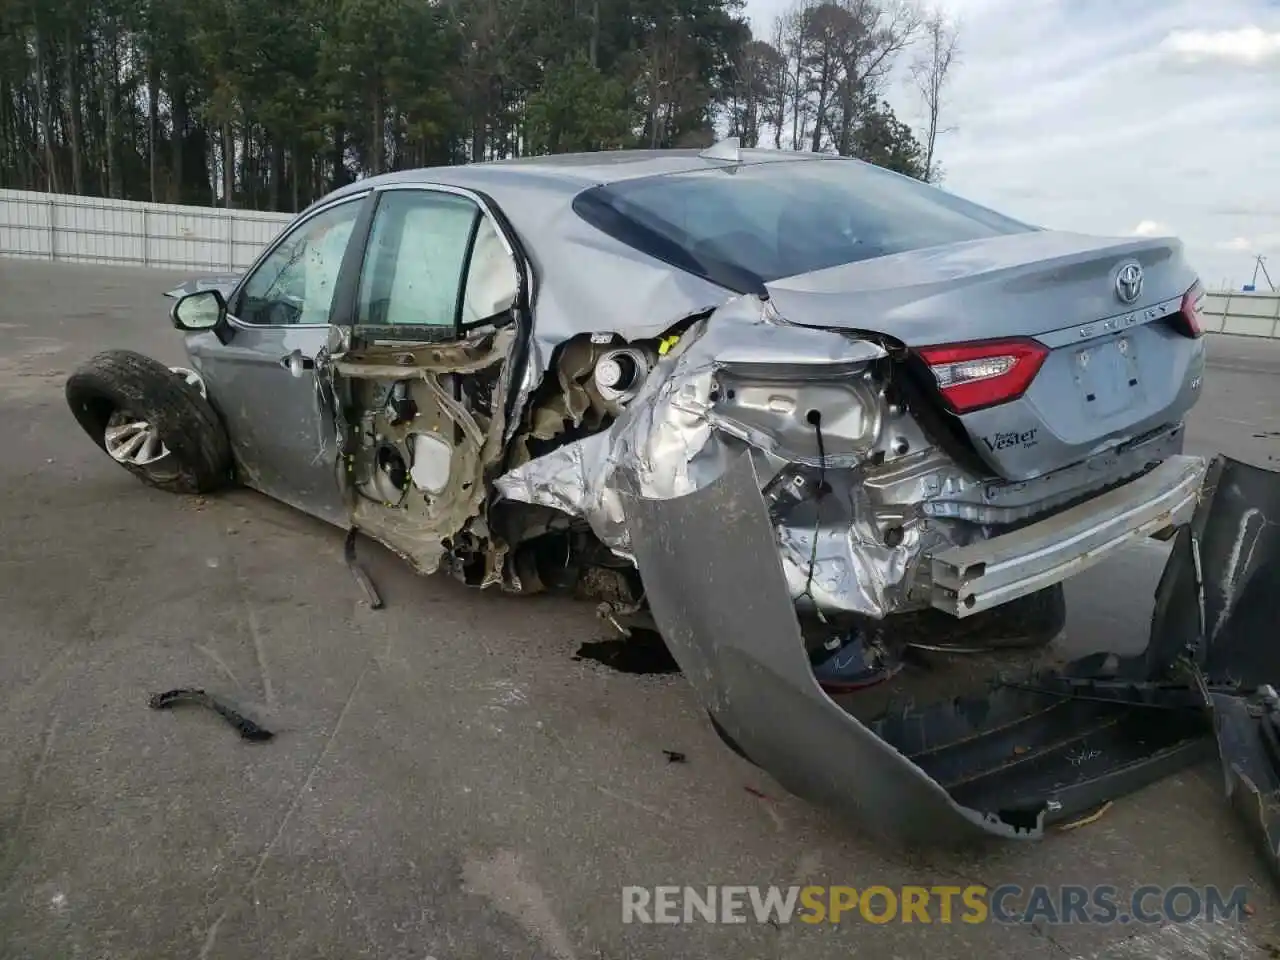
1129, 283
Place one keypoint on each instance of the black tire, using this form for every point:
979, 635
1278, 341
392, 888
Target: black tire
1027, 623
121, 380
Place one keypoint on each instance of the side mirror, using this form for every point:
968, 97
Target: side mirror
202, 310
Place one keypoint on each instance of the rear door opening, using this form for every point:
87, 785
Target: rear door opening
439, 313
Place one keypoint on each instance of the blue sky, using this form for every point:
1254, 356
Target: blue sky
1117, 117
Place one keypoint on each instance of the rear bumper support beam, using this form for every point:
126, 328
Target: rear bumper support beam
982, 575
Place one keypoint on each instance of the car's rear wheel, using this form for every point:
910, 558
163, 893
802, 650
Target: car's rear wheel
1026, 623
152, 420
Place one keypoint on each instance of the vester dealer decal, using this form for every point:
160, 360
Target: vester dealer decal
1017, 438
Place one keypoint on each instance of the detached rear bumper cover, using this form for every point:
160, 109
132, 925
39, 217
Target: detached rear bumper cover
1219, 603
1005, 762
973, 578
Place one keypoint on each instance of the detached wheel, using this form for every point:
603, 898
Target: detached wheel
153, 421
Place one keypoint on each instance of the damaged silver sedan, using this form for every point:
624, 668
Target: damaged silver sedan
771, 403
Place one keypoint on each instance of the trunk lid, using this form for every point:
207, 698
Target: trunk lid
1108, 370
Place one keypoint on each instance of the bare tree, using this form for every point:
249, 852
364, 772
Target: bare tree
794, 107
879, 31
779, 84
751, 94
829, 29
930, 70
835, 55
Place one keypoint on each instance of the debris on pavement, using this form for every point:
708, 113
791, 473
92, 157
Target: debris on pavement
247, 728
1085, 821
362, 578
675, 756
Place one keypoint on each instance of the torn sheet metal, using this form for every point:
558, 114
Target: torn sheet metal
741, 380
1005, 762
629, 292
833, 553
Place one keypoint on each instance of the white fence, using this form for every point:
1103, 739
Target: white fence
1247, 314
54, 226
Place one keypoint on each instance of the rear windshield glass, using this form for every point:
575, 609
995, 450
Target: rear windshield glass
781, 219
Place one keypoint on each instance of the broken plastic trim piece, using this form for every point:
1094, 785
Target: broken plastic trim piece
1217, 606
1249, 744
371, 594
247, 729
1235, 574
1003, 762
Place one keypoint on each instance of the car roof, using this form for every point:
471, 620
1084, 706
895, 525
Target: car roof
580, 269
572, 172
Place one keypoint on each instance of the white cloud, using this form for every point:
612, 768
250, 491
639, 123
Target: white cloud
1150, 228
1248, 45
1076, 114
1236, 243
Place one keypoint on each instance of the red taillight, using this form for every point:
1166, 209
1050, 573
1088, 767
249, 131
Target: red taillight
976, 375
1189, 321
